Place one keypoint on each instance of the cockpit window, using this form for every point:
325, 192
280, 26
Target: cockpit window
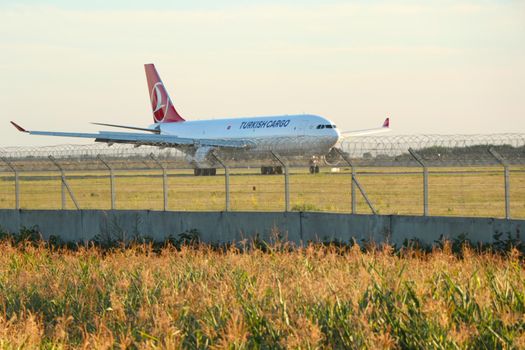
326, 126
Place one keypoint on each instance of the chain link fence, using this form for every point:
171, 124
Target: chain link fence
460, 175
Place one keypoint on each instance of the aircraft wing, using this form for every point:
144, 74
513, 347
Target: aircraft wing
382, 129
145, 139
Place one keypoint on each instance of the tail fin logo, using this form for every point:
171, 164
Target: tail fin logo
158, 95
161, 104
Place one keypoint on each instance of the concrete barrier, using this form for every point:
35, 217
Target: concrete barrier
221, 227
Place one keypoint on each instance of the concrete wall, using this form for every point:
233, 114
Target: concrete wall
220, 227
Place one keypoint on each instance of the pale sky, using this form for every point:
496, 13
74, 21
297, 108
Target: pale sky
442, 66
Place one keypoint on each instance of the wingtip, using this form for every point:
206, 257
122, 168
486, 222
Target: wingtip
18, 127
386, 123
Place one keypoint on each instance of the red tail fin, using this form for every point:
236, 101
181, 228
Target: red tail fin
163, 110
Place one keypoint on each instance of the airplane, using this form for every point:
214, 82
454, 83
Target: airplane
203, 141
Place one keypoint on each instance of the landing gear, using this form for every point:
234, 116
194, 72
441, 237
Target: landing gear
271, 170
204, 171
314, 169
314, 165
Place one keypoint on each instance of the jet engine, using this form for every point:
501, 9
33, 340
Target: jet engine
333, 158
202, 157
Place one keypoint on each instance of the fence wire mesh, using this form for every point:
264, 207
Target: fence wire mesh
460, 175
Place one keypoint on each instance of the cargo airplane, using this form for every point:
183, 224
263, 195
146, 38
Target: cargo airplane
304, 135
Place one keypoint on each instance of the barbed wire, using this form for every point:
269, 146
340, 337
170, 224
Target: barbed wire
436, 150
363, 151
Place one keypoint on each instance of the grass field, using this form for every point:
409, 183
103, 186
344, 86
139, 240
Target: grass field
310, 298
452, 191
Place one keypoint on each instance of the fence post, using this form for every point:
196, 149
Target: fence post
352, 191
419, 159
164, 180
65, 185
286, 181
506, 174
355, 183
226, 180
17, 184
111, 181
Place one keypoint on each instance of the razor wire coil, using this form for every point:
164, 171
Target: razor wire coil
363, 151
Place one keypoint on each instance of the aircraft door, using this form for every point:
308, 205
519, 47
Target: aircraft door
300, 128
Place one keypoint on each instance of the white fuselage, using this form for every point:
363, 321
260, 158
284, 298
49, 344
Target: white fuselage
288, 135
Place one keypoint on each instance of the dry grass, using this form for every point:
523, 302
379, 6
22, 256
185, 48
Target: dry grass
315, 297
456, 194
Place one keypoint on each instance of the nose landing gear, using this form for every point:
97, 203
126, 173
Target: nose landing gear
314, 169
314, 165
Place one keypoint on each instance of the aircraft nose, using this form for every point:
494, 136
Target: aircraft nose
335, 135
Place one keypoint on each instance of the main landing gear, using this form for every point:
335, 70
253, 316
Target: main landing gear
271, 170
204, 171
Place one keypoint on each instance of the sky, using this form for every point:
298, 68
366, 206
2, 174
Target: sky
434, 67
